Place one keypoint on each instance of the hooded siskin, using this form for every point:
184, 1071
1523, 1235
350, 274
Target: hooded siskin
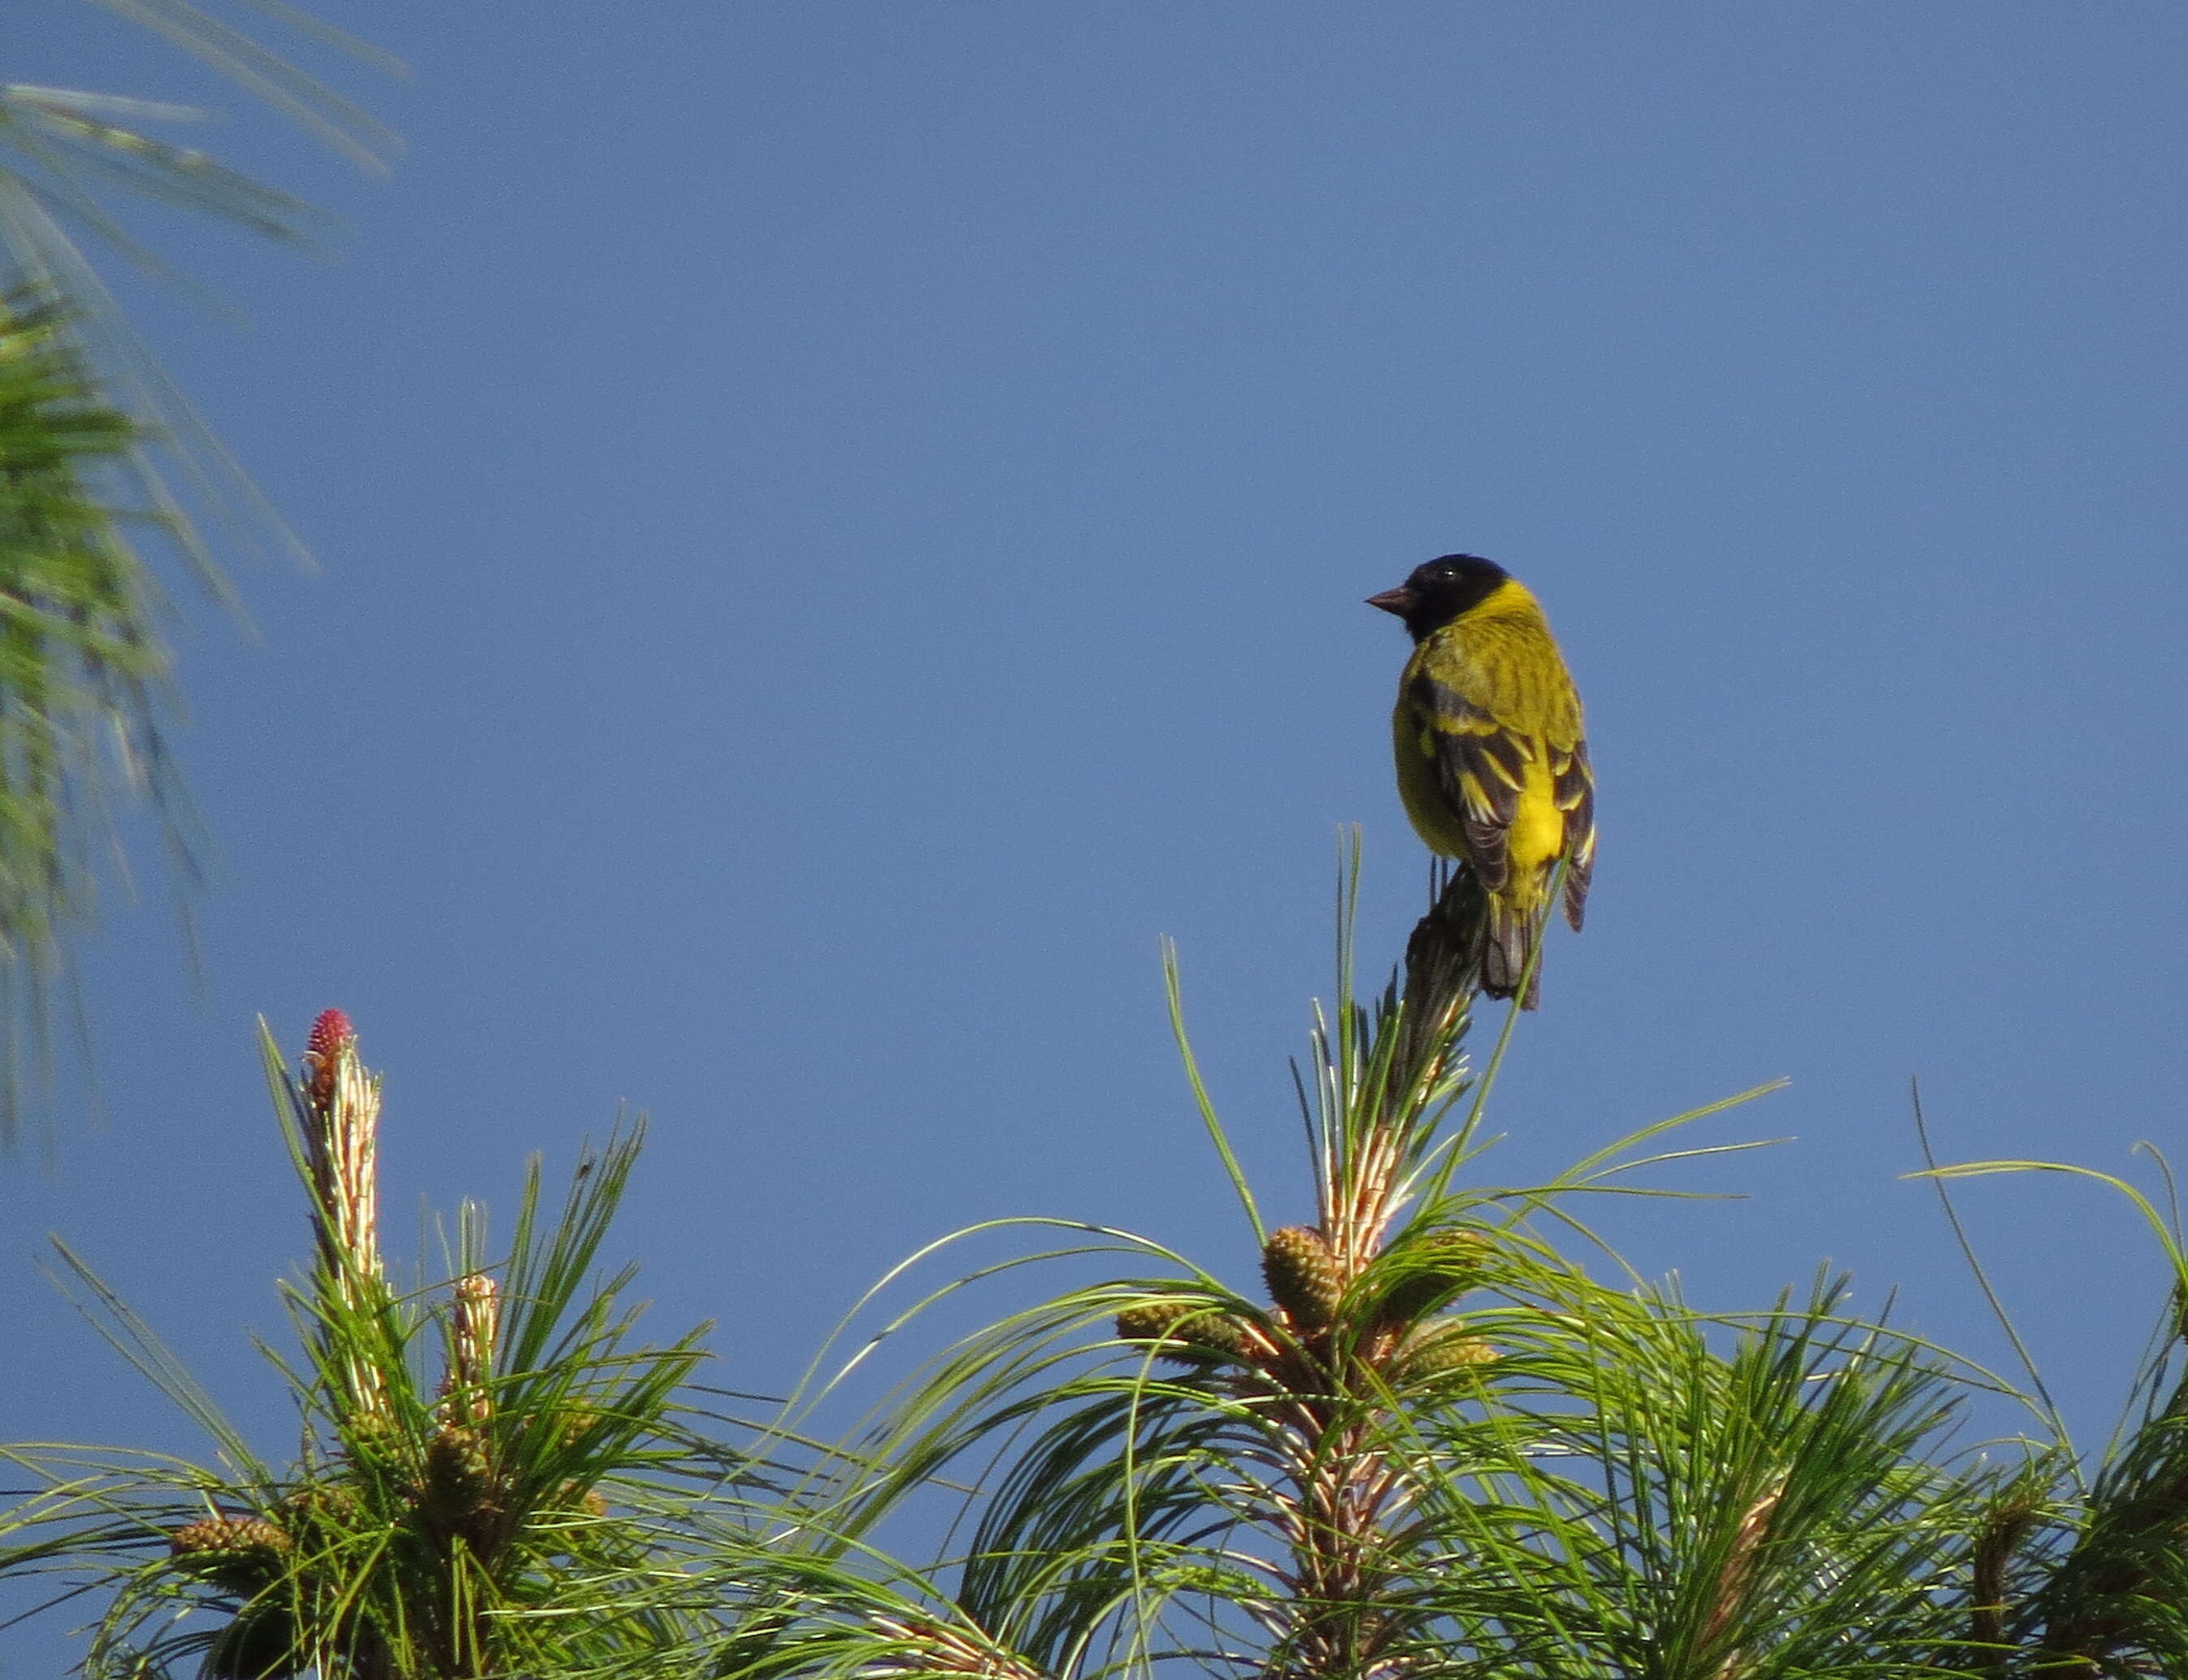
1492, 758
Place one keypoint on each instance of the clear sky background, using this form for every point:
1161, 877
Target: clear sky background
843, 523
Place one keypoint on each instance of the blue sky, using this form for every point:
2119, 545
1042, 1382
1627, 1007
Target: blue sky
841, 524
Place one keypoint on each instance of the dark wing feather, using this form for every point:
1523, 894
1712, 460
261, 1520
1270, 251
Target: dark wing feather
1575, 787
1480, 766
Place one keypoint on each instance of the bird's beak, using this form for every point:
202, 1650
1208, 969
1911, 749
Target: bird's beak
1399, 600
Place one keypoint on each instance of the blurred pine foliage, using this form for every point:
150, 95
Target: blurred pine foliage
103, 467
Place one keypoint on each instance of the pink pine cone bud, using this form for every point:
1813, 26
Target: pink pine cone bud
329, 1033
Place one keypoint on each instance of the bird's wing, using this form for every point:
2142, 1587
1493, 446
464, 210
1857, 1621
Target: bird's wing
1573, 783
1481, 767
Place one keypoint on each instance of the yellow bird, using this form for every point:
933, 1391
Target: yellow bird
1492, 757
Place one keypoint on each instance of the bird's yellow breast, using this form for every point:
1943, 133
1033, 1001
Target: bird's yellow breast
1537, 836
1412, 739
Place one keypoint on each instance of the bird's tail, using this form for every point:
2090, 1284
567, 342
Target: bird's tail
1508, 947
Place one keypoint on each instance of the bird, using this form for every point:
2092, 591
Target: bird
1492, 754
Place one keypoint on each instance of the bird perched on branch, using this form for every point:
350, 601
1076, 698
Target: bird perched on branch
1492, 758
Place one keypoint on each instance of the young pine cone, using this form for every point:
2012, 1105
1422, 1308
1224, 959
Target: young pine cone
327, 1506
242, 1555
574, 1498
1184, 1326
459, 1473
1302, 1277
1431, 1270
1440, 1349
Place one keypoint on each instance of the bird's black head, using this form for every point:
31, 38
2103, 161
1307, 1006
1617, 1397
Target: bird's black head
1441, 591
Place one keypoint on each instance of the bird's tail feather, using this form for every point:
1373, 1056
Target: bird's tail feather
1506, 950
